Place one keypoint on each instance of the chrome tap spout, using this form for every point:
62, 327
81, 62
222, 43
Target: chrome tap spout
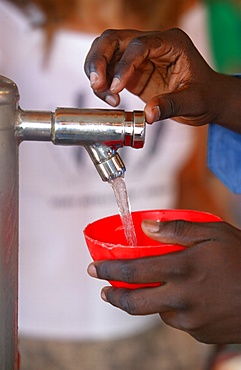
101, 131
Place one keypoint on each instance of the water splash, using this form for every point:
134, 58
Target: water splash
120, 191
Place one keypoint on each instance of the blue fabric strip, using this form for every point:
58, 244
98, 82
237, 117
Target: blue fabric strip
224, 156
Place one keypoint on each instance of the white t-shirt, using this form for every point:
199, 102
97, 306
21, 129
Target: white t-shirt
61, 191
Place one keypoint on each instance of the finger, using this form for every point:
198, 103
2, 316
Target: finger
96, 61
130, 271
134, 302
157, 269
145, 301
186, 102
108, 97
181, 232
133, 61
104, 53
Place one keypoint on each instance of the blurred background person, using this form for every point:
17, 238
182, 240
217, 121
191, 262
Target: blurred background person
42, 48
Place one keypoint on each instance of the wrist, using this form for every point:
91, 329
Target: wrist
228, 102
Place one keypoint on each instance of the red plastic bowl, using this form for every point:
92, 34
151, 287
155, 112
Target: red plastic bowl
106, 240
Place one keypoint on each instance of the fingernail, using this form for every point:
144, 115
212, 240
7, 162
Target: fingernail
151, 226
110, 99
92, 270
93, 78
103, 295
115, 83
156, 113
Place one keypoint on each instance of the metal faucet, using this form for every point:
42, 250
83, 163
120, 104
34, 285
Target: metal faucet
101, 132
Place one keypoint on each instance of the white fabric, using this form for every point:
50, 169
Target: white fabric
61, 192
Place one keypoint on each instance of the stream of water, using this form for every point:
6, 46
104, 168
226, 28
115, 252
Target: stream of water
123, 203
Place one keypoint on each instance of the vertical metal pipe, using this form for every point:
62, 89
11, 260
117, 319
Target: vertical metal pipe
8, 226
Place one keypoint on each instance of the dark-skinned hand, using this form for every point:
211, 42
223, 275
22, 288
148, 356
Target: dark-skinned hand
167, 72
201, 285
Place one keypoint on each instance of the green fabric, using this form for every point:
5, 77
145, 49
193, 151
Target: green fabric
224, 22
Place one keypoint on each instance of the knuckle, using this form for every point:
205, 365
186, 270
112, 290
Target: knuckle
186, 322
179, 227
176, 31
179, 35
176, 301
180, 320
96, 40
186, 232
127, 272
141, 45
104, 270
107, 33
191, 320
128, 304
137, 41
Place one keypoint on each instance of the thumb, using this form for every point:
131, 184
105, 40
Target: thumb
186, 103
159, 108
179, 232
